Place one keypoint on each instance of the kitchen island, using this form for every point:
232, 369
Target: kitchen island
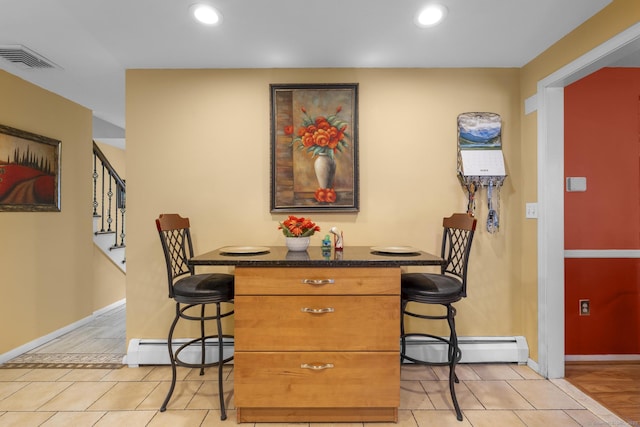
317, 332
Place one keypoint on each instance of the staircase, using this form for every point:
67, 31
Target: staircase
109, 207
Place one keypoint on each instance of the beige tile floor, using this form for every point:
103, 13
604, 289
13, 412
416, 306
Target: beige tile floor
492, 395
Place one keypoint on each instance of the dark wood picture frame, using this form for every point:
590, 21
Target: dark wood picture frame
29, 171
314, 147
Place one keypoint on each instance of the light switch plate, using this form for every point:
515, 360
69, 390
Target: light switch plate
576, 183
531, 210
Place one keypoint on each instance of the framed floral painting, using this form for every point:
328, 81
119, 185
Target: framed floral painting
314, 148
29, 171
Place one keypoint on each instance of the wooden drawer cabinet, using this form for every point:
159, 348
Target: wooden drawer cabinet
318, 281
316, 323
304, 379
317, 344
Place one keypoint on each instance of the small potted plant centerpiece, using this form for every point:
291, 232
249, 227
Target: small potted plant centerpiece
297, 232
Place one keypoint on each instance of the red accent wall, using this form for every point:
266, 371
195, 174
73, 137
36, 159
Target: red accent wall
614, 324
602, 143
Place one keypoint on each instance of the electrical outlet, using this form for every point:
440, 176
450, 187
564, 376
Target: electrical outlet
531, 210
585, 307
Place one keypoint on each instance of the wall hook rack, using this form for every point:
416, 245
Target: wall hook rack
481, 162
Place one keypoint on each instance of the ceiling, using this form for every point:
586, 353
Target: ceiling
92, 42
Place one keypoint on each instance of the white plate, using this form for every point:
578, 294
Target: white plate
395, 249
232, 250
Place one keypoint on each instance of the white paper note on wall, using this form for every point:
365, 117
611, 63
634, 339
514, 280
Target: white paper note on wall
482, 162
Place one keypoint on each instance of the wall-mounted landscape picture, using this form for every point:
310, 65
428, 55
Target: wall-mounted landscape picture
29, 171
479, 131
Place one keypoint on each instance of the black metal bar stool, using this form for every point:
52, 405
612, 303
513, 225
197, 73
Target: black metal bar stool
190, 290
442, 289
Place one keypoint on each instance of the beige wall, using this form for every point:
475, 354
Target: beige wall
116, 157
46, 257
198, 144
109, 282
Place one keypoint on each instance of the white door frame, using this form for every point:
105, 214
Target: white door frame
550, 106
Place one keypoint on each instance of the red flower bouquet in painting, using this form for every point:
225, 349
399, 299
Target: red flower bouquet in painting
322, 137
327, 195
320, 134
298, 227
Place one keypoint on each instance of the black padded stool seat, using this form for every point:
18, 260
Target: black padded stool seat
442, 289
192, 292
431, 288
204, 288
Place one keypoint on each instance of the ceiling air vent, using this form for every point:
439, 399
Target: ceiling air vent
24, 58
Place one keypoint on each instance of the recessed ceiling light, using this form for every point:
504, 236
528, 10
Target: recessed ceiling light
431, 15
205, 14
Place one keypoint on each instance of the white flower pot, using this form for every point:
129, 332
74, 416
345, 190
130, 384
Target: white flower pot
297, 243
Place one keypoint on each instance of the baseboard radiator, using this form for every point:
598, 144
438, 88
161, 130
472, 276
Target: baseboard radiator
155, 352
474, 350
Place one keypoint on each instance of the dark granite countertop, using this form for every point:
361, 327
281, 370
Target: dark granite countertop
315, 256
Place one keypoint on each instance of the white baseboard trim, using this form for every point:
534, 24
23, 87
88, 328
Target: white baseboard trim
474, 350
5, 357
110, 307
602, 358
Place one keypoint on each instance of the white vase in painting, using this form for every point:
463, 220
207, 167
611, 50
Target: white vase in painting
325, 168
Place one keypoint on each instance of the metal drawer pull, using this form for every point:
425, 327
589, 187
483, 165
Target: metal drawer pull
316, 367
318, 310
318, 281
